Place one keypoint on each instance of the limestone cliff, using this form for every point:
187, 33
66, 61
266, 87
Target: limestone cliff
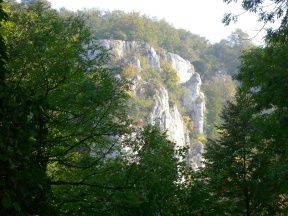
154, 99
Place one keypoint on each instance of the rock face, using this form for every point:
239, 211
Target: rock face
162, 112
184, 68
194, 101
168, 118
195, 155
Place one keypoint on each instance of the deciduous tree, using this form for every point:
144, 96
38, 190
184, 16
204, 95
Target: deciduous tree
267, 12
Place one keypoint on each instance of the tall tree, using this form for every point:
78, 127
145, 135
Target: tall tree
23, 180
77, 124
238, 168
247, 165
68, 103
264, 77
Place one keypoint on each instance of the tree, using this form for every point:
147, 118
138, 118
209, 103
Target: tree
69, 103
267, 12
240, 40
234, 165
27, 2
22, 179
169, 76
228, 51
154, 172
217, 90
75, 127
264, 78
246, 167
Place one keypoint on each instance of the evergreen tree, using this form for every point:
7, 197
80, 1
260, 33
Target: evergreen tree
246, 167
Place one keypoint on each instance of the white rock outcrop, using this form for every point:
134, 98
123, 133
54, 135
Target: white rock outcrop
165, 115
194, 102
168, 118
184, 68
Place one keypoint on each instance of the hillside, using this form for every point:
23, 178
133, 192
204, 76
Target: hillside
107, 127
207, 58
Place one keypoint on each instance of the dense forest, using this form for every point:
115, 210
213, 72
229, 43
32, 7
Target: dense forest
68, 146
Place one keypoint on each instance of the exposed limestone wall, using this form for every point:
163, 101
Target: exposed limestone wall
184, 68
165, 115
194, 102
168, 118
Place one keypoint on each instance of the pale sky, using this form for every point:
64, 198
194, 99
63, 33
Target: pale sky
202, 17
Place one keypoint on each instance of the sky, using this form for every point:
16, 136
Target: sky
202, 17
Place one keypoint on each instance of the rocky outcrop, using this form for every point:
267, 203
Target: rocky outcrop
195, 155
162, 112
194, 102
168, 118
184, 68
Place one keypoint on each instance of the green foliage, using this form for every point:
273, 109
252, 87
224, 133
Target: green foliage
201, 138
208, 58
171, 80
246, 167
275, 10
235, 166
139, 107
135, 26
264, 78
188, 122
148, 72
228, 51
129, 71
156, 169
68, 104
217, 91
228, 162
23, 178
65, 123
195, 198
141, 102
169, 76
